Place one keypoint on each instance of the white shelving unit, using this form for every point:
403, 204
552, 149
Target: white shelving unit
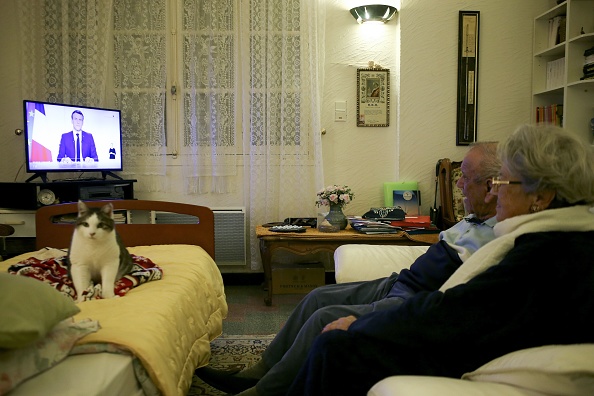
576, 96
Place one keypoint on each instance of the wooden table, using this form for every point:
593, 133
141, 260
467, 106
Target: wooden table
278, 248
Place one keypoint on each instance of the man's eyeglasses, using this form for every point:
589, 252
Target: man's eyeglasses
496, 182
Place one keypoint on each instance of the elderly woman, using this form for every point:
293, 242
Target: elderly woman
529, 287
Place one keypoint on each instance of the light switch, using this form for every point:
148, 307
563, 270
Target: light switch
340, 112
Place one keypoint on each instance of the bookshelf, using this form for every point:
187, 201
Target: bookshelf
561, 36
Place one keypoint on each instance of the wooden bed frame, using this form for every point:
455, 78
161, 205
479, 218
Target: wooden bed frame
58, 235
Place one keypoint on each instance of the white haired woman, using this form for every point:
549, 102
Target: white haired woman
531, 286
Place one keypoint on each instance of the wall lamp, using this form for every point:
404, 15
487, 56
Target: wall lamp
373, 13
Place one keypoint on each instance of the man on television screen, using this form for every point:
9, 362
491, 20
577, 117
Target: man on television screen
77, 145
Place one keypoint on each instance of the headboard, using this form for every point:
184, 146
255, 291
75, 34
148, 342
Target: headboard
58, 235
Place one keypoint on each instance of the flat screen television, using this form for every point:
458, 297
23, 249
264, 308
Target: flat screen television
67, 138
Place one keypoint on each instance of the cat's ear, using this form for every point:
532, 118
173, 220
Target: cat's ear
82, 208
108, 209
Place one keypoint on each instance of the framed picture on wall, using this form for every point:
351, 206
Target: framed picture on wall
468, 61
373, 97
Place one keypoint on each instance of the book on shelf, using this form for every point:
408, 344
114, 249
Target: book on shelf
562, 32
588, 68
551, 114
557, 27
119, 216
555, 77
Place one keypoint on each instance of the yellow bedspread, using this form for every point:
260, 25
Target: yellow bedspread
169, 323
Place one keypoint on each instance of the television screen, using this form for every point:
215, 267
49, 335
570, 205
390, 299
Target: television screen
67, 138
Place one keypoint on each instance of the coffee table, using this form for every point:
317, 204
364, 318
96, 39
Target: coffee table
278, 249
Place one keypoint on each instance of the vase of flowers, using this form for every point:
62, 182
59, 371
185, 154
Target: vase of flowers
336, 197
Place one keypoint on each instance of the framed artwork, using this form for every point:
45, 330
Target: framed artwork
468, 61
373, 97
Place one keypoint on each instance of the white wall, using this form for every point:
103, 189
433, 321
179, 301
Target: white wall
422, 130
419, 47
360, 157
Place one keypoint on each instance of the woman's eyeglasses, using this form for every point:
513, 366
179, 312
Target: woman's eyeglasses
496, 182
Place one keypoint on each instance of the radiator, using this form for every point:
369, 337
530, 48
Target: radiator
229, 227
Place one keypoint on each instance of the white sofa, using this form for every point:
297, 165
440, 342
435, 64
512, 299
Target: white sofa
548, 370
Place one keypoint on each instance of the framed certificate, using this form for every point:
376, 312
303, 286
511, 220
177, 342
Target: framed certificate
373, 97
468, 61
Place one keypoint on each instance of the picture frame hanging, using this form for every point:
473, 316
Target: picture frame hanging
468, 62
373, 97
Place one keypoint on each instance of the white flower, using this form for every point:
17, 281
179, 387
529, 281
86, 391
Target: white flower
339, 195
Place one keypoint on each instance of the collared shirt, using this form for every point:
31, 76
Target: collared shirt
468, 235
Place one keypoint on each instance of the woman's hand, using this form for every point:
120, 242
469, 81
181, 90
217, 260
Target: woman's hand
340, 324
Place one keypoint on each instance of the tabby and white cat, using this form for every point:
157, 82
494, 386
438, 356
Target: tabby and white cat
96, 251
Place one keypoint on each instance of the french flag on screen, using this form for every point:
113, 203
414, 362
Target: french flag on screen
39, 138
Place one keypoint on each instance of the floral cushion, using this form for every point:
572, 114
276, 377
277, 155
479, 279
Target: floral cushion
458, 197
17, 365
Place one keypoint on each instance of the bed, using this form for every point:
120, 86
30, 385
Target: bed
148, 341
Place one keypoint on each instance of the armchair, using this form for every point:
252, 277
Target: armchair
450, 196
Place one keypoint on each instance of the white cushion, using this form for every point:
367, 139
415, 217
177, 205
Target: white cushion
407, 385
361, 262
549, 370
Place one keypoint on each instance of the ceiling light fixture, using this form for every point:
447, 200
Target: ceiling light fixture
373, 13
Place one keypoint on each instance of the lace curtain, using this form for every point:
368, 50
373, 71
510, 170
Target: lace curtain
103, 53
139, 88
208, 45
284, 88
66, 49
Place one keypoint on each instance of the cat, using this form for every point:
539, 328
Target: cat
96, 251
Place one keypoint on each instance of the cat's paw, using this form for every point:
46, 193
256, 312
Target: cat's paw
108, 294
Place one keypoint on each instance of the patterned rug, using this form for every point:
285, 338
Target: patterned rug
228, 352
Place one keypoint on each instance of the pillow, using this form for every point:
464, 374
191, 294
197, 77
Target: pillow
551, 369
17, 365
30, 309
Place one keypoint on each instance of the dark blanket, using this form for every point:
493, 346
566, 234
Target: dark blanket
540, 294
54, 271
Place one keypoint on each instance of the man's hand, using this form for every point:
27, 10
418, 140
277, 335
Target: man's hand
340, 324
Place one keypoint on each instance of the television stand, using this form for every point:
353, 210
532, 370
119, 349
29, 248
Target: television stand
41, 175
104, 174
26, 195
